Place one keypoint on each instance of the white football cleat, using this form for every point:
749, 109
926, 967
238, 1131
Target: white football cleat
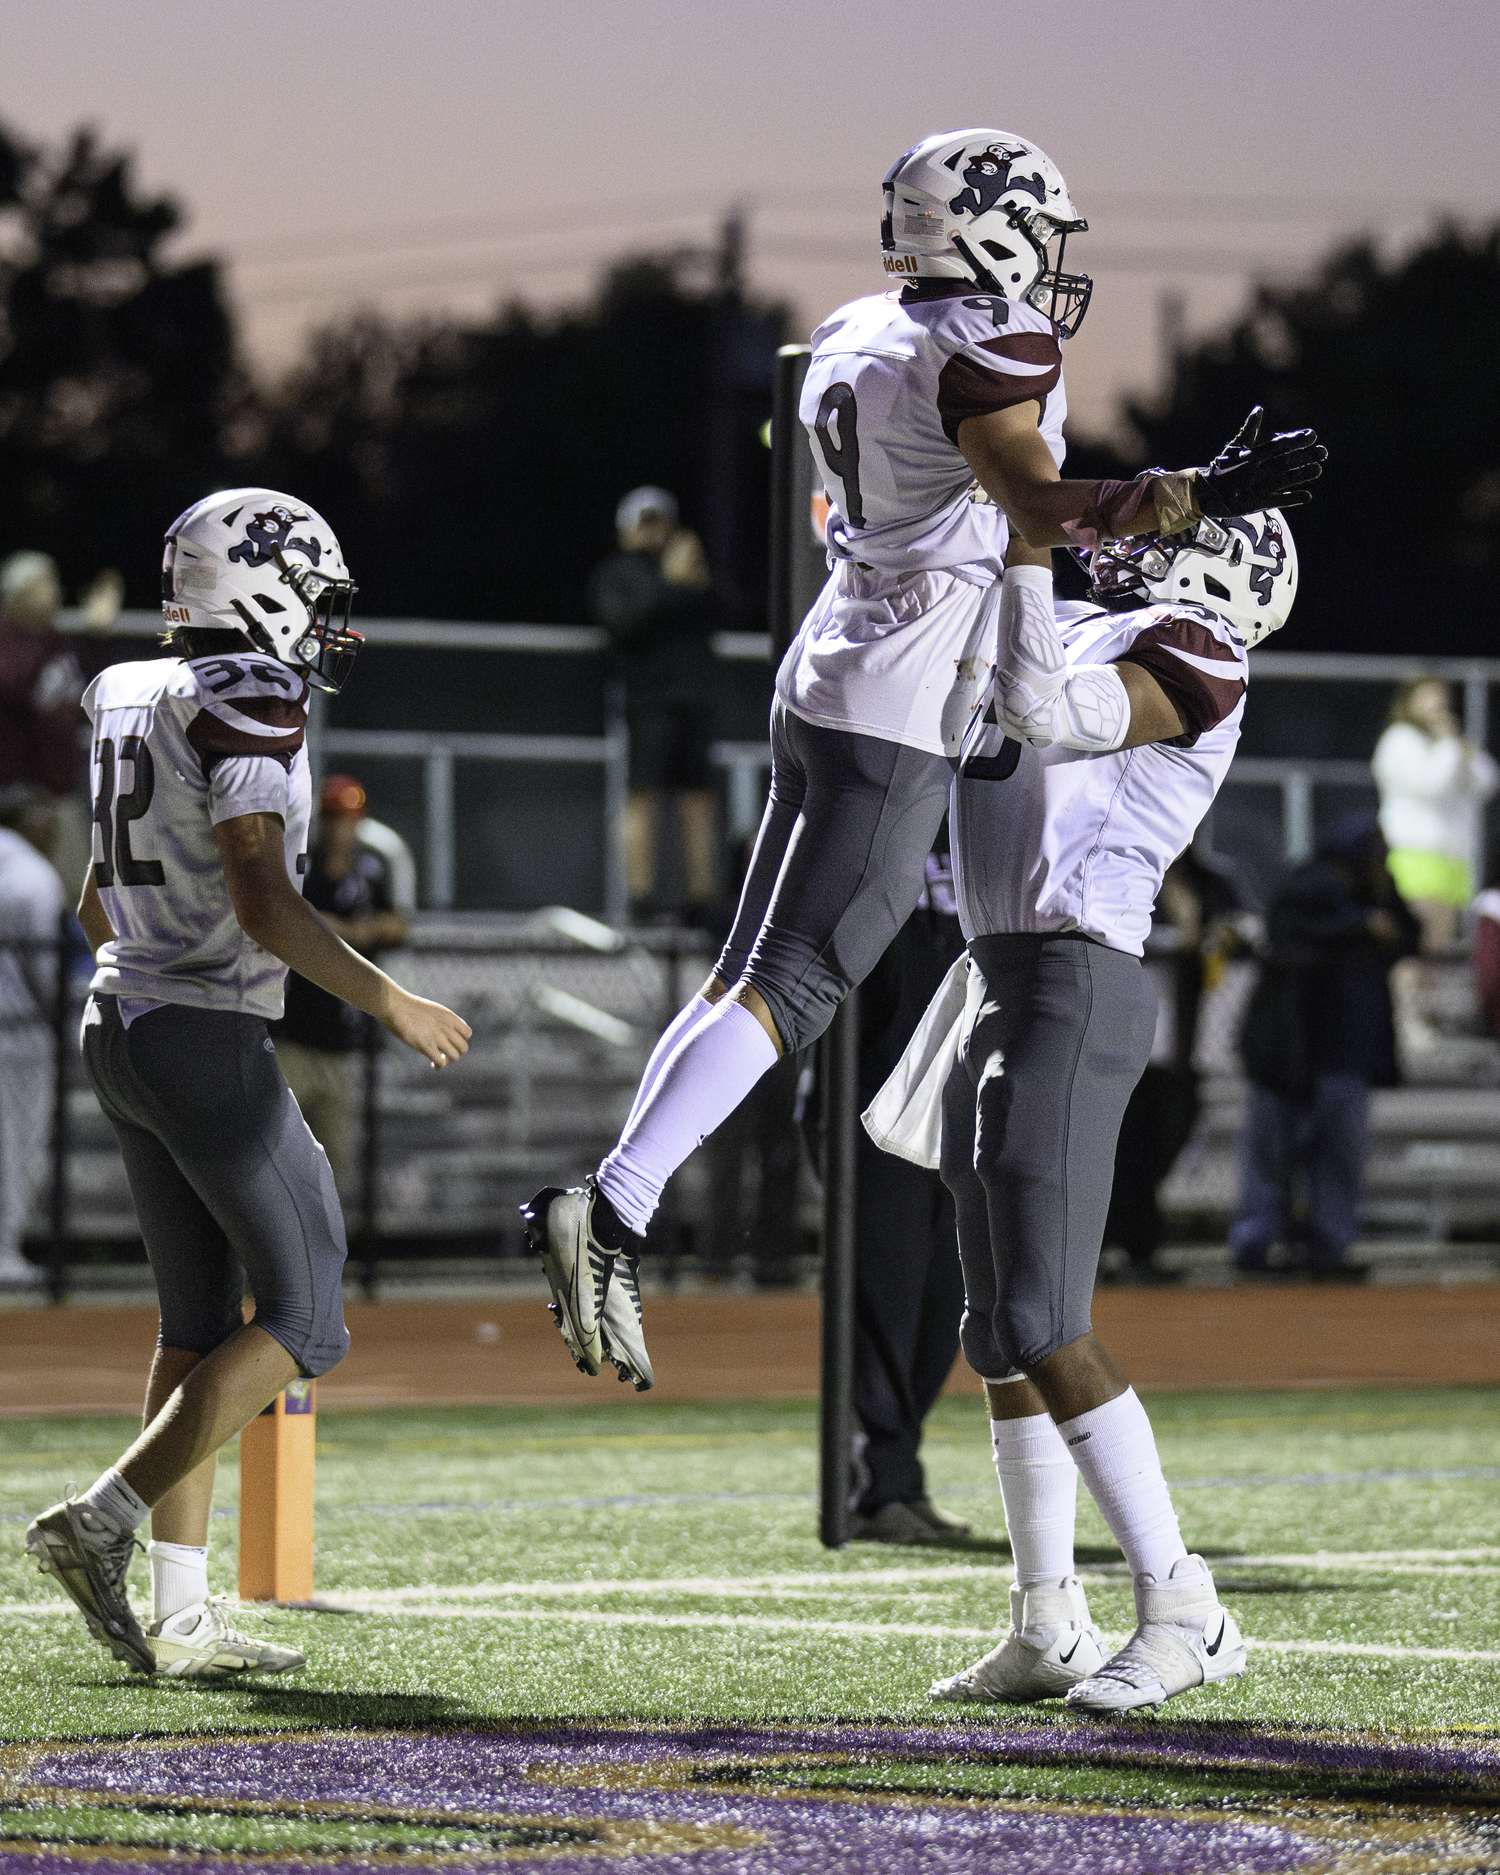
1052, 1645
621, 1334
90, 1559
1184, 1639
577, 1267
199, 1642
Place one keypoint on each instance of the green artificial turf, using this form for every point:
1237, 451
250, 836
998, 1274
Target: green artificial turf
523, 1504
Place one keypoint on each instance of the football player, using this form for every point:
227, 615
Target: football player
1114, 726
193, 908
935, 413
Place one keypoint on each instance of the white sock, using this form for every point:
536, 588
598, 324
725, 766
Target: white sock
1114, 1448
1039, 1488
686, 1017
709, 1073
111, 1498
179, 1577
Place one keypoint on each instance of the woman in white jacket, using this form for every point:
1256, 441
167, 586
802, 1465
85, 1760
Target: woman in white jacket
1433, 785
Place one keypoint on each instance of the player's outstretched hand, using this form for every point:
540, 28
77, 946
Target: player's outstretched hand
429, 1028
1248, 475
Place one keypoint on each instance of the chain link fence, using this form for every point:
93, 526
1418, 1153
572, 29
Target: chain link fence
562, 1026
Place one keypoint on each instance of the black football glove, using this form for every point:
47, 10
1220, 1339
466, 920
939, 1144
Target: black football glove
1247, 475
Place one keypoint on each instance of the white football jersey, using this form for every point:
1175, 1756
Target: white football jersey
178, 747
1075, 842
897, 645
889, 382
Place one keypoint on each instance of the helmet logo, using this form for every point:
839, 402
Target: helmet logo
988, 176
1267, 557
271, 533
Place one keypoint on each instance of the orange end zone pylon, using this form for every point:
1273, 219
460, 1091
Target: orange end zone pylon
276, 1498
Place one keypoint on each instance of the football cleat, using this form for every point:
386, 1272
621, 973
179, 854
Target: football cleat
620, 1330
1184, 1639
90, 1559
1052, 1645
198, 1643
577, 1267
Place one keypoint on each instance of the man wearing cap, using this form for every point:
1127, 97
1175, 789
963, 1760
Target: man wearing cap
349, 881
652, 597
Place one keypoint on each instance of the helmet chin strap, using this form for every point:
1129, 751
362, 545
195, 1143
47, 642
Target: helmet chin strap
982, 275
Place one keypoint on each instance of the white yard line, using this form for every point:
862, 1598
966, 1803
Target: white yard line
473, 1604
871, 1630
809, 1585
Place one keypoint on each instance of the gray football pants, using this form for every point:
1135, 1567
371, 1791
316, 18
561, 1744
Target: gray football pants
228, 1182
1031, 1114
838, 867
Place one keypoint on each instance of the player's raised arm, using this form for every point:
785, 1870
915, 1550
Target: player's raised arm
1013, 464
272, 912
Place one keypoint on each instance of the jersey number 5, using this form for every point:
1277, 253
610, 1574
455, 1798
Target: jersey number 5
837, 405
112, 817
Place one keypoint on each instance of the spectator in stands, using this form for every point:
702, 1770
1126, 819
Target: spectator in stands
652, 596
32, 902
1487, 956
909, 1287
1433, 786
1318, 1035
40, 682
319, 1038
1196, 928
41, 745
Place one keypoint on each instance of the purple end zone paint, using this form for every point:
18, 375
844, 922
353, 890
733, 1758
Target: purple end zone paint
590, 1778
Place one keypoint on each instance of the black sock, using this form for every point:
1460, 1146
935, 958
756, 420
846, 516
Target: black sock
606, 1227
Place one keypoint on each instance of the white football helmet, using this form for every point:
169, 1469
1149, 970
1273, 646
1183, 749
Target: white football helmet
1244, 568
984, 205
255, 561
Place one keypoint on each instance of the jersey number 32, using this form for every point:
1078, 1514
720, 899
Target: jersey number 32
113, 816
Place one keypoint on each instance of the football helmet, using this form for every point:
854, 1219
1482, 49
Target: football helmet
985, 206
256, 561
1245, 569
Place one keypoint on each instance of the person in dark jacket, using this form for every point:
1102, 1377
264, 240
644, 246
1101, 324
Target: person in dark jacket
654, 598
909, 1286
1194, 932
1318, 1035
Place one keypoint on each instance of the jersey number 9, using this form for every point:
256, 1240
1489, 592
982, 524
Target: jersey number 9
837, 405
112, 817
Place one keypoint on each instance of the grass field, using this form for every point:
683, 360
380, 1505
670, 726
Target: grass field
606, 1583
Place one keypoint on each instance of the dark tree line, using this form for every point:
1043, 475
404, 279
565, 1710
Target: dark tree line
472, 470
1397, 367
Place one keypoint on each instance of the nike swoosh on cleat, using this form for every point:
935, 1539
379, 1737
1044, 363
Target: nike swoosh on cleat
1065, 1658
1218, 1639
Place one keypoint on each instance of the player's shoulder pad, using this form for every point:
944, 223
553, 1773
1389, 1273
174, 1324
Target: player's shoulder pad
979, 319
137, 684
1196, 657
1189, 630
248, 704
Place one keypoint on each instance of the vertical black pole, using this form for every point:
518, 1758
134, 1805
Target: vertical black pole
369, 1160
836, 1404
797, 561
57, 1250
